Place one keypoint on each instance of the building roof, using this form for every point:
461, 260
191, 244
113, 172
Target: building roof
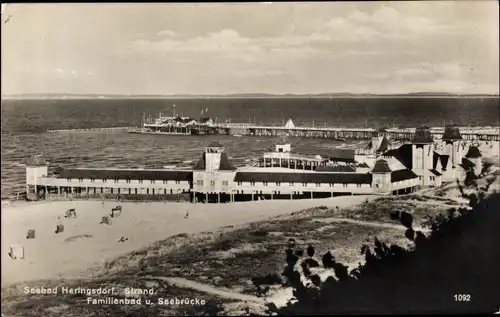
215, 144
340, 155
444, 160
466, 164
404, 154
314, 177
363, 165
337, 168
205, 120
224, 165
451, 133
381, 166
402, 175
369, 146
473, 152
422, 135
125, 174
36, 161
435, 172
384, 145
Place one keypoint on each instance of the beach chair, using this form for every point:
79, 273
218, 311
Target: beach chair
59, 228
106, 220
70, 213
31, 234
115, 212
16, 252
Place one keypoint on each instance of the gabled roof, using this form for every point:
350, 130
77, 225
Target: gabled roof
473, 152
402, 175
466, 164
369, 146
422, 135
200, 165
338, 168
404, 154
225, 164
384, 145
125, 174
444, 160
363, 165
381, 166
451, 133
325, 178
215, 144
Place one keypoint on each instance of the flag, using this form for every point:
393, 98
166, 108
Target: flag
206, 110
201, 113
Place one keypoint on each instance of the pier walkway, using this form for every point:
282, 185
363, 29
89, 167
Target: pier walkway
92, 129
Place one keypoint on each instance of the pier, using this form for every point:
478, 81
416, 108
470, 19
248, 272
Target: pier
339, 134
92, 129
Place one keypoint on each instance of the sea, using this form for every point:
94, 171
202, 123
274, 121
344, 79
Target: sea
24, 123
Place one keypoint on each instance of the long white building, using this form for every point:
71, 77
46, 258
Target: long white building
282, 174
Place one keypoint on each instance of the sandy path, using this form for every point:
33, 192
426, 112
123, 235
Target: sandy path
205, 288
50, 255
367, 223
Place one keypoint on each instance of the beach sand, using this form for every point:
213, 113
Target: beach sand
85, 243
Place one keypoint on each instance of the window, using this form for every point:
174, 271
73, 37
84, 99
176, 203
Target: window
177, 182
292, 183
165, 182
433, 178
278, 183
152, 181
252, 183
331, 184
264, 183
140, 181
359, 185
212, 183
199, 182
116, 180
304, 184
345, 185
239, 183
80, 180
225, 183
104, 180
92, 180
377, 185
68, 179
420, 178
128, 180
318, 184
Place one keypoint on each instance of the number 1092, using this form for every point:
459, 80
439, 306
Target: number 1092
462, 297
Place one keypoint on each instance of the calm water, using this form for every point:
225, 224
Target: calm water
24, 123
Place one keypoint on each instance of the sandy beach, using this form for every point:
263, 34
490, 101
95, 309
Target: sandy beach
86, 243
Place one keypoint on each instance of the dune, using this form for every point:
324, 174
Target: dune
85, 243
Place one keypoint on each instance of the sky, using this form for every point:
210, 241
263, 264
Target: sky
301, 48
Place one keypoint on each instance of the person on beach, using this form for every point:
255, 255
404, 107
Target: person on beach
187, 214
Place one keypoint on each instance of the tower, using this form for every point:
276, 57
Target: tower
213, 153
422, 153
475, 156
453, 144
36, 167
381, 178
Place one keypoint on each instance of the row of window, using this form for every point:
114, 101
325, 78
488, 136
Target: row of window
303, 184
92, 180
212, 183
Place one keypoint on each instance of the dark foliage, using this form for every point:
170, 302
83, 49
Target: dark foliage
459, 256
